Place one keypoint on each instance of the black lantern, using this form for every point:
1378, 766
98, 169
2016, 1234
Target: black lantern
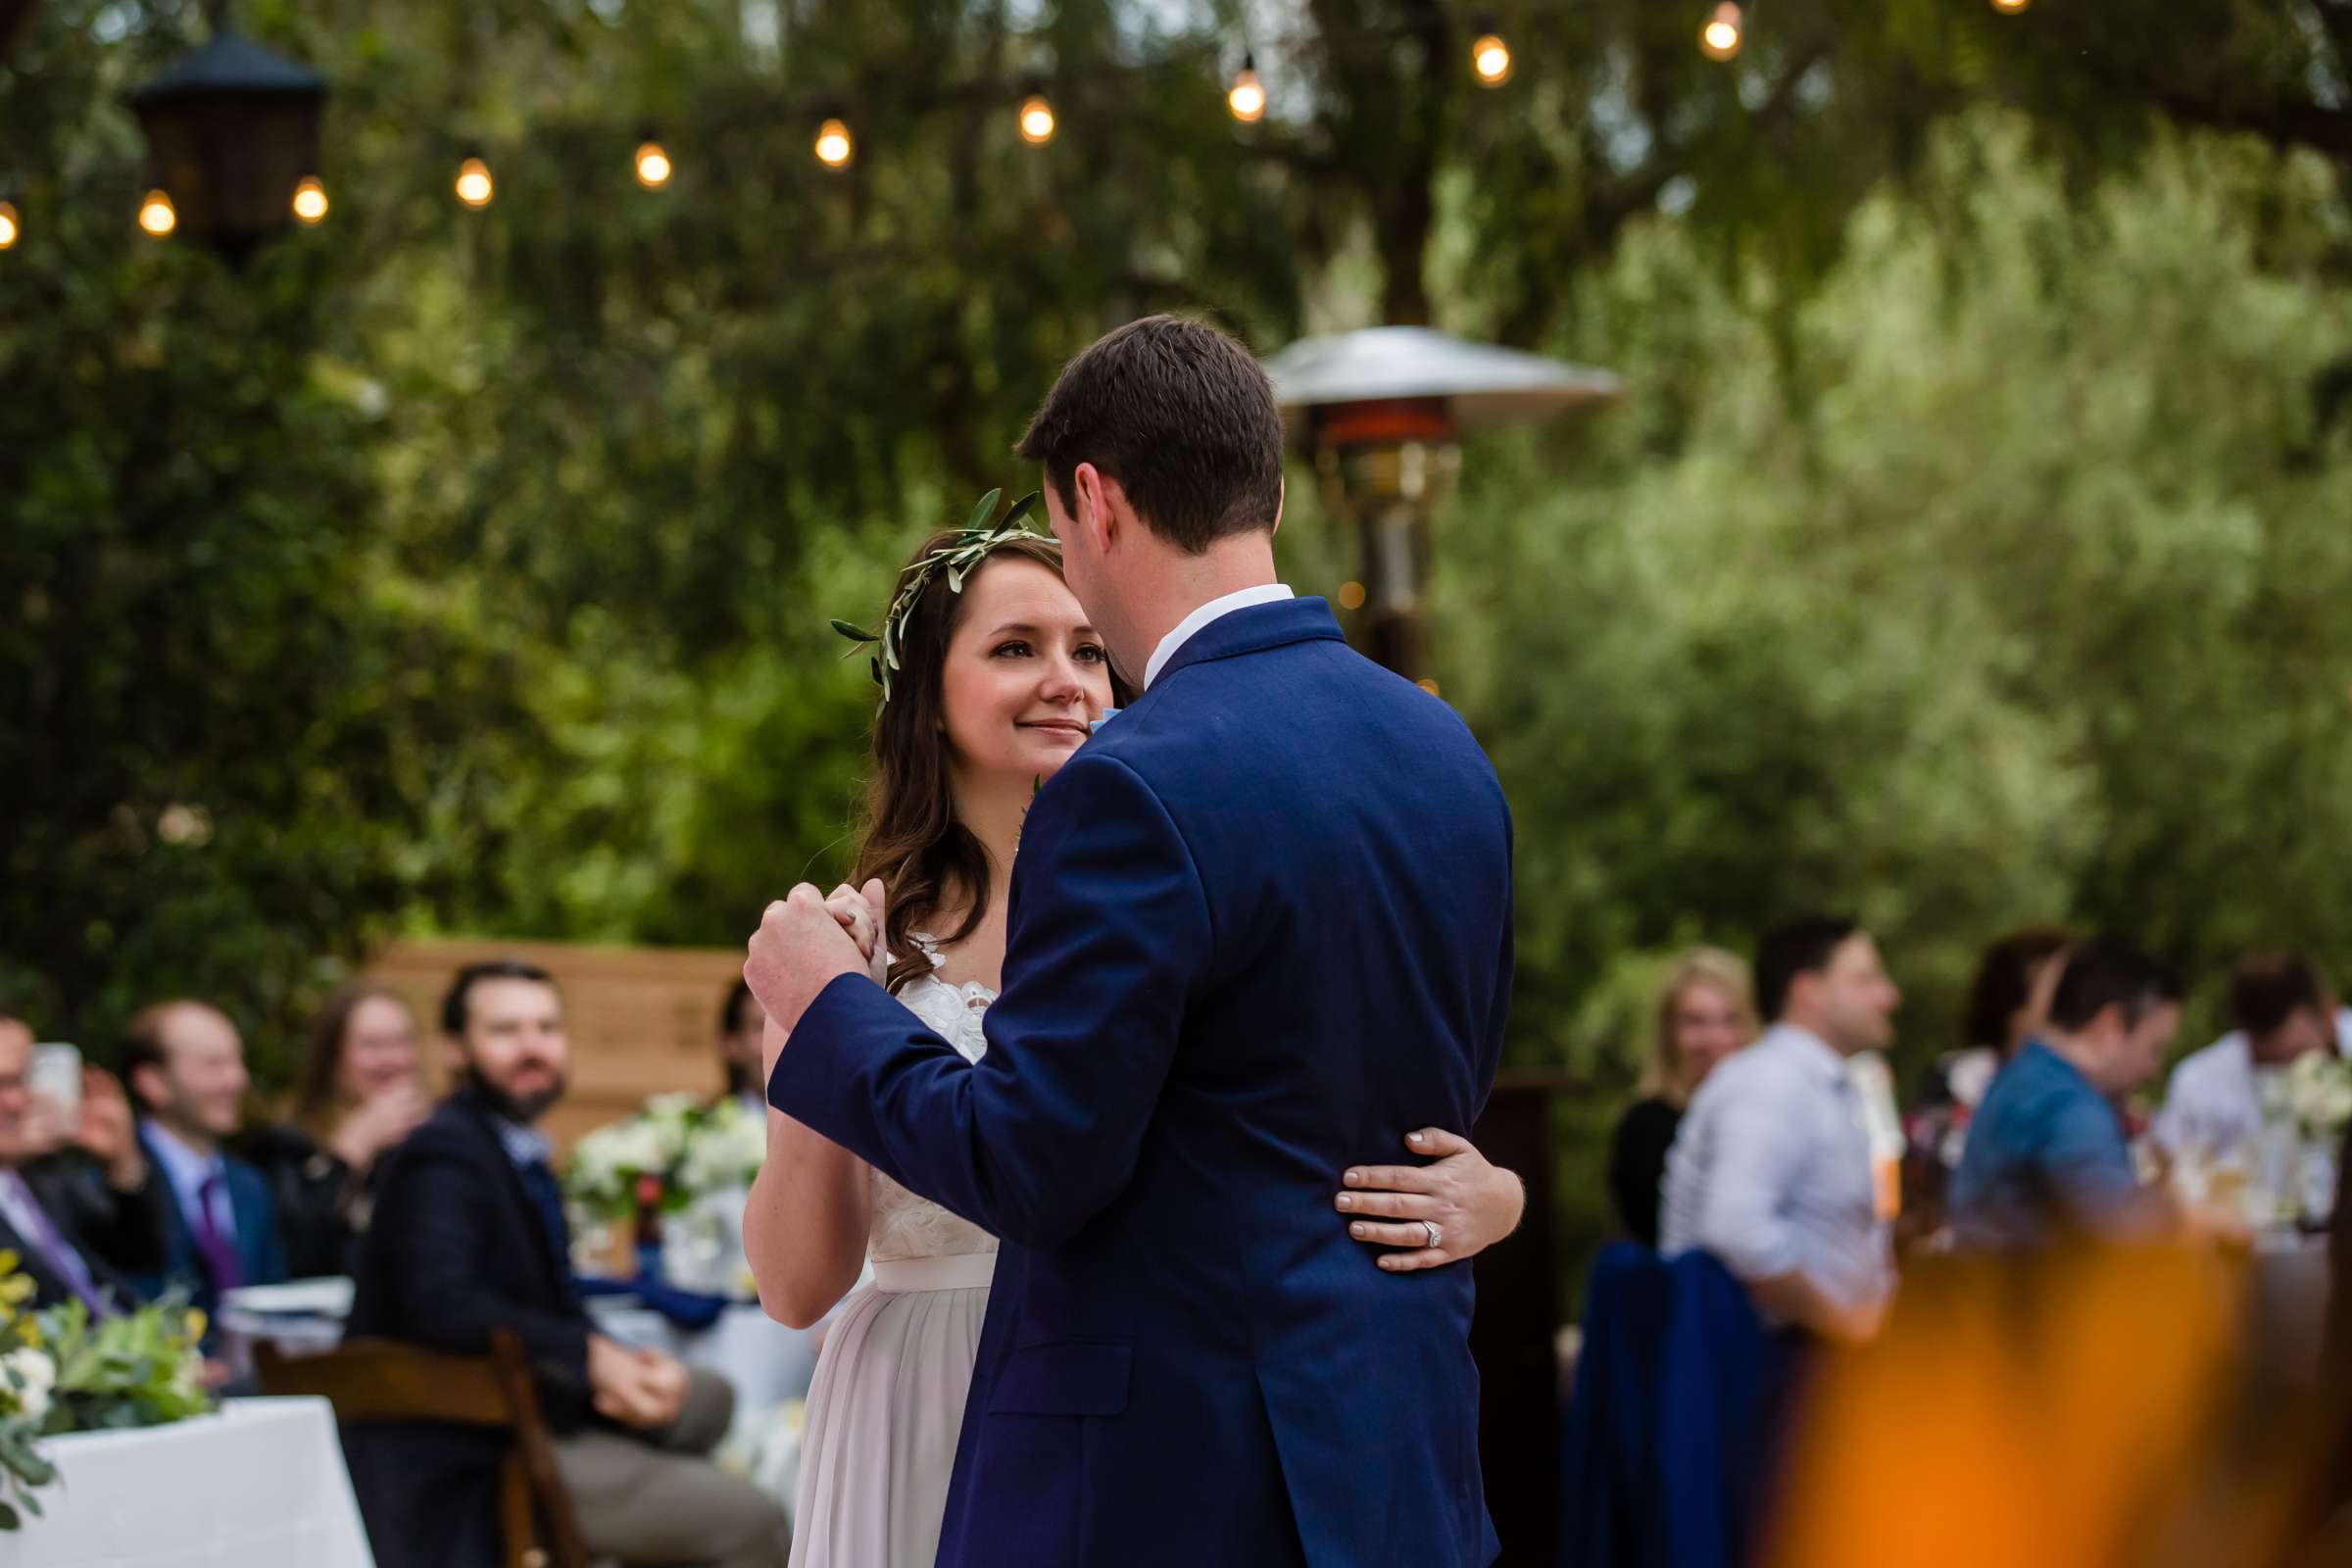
232, 130
14, 13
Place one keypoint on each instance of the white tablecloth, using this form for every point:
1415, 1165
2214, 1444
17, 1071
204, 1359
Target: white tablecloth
262, 1485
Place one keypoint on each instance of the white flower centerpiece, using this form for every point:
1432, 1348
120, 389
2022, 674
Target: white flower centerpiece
683, 1161
2318, 1095
62, 1372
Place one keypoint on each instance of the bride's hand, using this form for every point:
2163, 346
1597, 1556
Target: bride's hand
860, 916
1473, 1204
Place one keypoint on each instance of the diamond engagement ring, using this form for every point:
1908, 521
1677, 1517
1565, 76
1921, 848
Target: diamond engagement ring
1435, 1235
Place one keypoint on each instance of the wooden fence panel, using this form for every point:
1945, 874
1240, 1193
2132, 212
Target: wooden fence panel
642, 1020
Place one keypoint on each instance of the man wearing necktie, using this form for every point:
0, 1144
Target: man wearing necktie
185, 1064
468, 1236
79, 1225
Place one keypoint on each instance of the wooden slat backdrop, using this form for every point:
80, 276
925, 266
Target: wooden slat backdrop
642, 1020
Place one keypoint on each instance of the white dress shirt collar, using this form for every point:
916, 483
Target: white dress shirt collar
1264, 594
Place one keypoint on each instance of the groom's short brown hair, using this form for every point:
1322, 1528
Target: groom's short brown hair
1182, 415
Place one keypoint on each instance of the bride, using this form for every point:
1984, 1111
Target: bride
991, 680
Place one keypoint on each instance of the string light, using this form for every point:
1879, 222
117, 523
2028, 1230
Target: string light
156, 214
310, 198
1350, 596
1429, 686
653, 164
1248, 95
1491, 59
2010, 8
834, 149
10, 227
1720, 38
1037, 121
475, 187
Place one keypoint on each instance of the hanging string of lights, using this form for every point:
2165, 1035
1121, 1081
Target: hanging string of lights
1489, 56
1722, 35
1724, 32
474, 187
653, 164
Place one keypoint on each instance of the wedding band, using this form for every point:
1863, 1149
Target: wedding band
1435, 1235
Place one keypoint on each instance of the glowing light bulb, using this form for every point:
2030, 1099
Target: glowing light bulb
475, 187
1720, 38
156, 214
1352, 596
1037, 121
1247, 96
834, 149
1429, 686
653, 165
10, 227
1491, 57
310, 198
2010, 8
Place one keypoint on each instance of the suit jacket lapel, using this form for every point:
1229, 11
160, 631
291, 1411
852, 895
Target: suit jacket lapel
179, 1241
518, 1201
248, 1204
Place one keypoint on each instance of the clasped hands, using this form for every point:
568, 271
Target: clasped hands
806, 941
641, 1389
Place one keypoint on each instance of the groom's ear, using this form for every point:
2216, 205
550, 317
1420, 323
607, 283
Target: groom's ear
1095, 516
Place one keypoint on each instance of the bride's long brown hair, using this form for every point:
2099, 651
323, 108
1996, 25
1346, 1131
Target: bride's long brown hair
927, 860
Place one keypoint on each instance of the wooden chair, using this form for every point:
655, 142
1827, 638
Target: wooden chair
385, 1380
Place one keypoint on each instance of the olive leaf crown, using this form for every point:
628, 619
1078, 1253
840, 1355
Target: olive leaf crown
959, 556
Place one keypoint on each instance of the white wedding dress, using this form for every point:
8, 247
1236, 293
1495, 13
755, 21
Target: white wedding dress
887, 1400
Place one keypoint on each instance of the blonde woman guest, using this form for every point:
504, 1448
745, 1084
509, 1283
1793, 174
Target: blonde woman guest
1705, 1013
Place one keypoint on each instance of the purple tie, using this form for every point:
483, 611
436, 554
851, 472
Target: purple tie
65, 1262
219, 1257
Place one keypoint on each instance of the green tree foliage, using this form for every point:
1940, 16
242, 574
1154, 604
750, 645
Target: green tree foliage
217, 709
2011, 590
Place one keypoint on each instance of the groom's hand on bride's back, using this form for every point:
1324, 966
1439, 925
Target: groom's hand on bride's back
797, 950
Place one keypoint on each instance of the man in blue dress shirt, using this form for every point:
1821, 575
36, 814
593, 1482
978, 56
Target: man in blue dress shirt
2046, 1157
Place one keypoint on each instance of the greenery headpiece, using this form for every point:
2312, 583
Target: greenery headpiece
973, 544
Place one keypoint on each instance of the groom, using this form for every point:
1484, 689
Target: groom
1260, 925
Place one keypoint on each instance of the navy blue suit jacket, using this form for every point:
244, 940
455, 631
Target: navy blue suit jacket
1260, 928
261, 1254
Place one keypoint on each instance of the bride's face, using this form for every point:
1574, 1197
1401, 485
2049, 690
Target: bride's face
1025, 675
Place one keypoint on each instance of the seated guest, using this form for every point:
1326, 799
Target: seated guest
1771, 1171
80, 1226
185, 1064
2008, 998
361, 1090
2281, 1008
468, 1236
1704, 1014
2046, 1154
740, 1022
